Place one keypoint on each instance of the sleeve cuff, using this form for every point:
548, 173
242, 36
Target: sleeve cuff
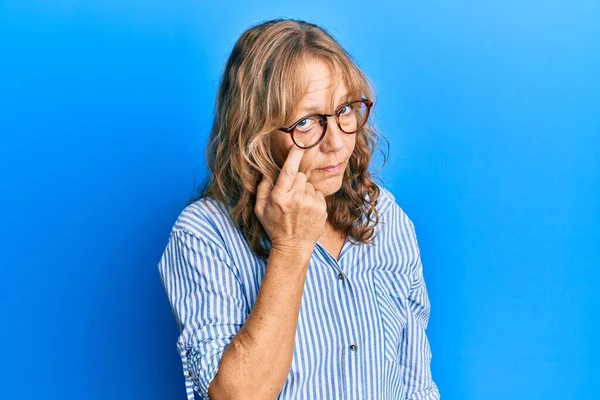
431, 393
197, 377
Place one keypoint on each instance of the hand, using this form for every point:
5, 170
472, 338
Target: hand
292, 212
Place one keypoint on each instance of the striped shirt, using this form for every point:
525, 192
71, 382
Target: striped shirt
362, 320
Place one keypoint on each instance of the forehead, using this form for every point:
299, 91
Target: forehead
324, 85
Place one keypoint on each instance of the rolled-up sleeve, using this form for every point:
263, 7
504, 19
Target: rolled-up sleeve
207, 300
415, 351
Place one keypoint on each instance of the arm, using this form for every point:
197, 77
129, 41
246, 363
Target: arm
226, 350
258, 361
416, 353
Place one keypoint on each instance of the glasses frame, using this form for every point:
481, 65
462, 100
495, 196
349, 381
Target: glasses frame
323, 121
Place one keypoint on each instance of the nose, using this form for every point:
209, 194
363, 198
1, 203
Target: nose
334, 137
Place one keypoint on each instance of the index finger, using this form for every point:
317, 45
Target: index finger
286, 177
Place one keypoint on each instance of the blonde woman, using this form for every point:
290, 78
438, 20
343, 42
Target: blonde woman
293, 275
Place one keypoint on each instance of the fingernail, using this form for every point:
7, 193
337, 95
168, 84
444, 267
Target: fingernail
300, 144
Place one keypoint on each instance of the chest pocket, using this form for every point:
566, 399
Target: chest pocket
392, 290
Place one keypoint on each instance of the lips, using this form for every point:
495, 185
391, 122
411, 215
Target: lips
332, 166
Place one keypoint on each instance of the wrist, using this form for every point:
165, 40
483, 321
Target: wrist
294, 250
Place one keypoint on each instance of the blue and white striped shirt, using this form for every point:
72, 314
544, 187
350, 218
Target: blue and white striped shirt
362, 321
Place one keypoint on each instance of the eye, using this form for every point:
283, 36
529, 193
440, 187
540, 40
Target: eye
347, 109
304, 125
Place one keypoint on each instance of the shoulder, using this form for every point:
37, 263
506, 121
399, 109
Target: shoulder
386, 200
205, 218
391, 210
398, 235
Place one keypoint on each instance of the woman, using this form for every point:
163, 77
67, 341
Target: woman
293, 275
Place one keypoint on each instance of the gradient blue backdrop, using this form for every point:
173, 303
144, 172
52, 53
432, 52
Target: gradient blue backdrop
493, 115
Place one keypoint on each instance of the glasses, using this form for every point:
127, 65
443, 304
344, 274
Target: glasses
310, 130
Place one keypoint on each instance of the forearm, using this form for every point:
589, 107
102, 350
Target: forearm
257, 362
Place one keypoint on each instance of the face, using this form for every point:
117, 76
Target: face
335, 148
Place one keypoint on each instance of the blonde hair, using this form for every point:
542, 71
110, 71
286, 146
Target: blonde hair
262, 83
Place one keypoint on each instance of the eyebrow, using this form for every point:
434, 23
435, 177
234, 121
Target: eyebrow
315, 108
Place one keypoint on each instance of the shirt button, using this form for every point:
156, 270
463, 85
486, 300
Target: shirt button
341, 276
353, 347
187, 374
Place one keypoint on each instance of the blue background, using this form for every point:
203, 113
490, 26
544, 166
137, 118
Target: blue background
493, 115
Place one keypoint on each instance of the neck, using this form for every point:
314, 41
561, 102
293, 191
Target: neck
330, 232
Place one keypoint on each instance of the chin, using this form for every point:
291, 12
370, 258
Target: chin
328, 188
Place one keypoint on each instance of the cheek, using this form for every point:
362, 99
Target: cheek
280, 147
308, 163
351, 143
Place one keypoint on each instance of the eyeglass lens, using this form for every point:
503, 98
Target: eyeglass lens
350, 118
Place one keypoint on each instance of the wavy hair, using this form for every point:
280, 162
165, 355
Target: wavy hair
262, 83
